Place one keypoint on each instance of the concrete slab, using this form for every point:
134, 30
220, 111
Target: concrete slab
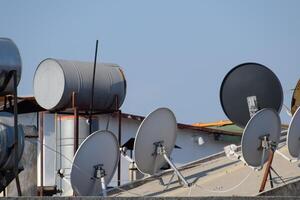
219, 176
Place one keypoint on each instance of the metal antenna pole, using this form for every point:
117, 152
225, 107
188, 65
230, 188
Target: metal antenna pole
93, 87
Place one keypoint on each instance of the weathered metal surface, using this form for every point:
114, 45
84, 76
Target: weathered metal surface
10, 59
55, 80
28, 177
7, 140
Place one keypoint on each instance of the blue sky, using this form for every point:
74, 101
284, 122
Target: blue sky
174, 53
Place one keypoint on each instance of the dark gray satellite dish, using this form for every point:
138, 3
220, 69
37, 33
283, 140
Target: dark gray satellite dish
248, 88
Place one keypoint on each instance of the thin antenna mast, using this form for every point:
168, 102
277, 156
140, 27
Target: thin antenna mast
93, 88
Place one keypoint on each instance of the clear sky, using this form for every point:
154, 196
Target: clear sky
174, 53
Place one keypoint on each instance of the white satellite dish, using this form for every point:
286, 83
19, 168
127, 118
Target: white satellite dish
94, 164
261, 134
154, 142
293, 135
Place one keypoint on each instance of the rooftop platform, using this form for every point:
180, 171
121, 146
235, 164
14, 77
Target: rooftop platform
216, 175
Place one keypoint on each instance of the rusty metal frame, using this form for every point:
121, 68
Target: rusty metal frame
76, 114
16, 132
76, 121
41, 137
119, 135
267, 171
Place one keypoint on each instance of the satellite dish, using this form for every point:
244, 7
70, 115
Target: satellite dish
293, 135
261, 133
154, 142
296, 98
248, 88
94, 164
160, 125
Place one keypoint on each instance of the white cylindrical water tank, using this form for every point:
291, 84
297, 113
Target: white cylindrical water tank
10, 59
55, 81
65, 147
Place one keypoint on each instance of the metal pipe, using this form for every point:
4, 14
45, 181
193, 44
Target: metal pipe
16, 133
119, 134
76, 123
37, 121
265, 177
37, 127
93, 88
103, 186
129, 159
120, 143
18, 186
271, 179
76, 129
41, 135
175, 169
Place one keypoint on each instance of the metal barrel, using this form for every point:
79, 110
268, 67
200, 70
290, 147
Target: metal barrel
10, 59
55, 81
7, 141
65, 147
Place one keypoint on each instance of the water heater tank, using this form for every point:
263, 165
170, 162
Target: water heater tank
65, 147
10, 59
7, 140
55, 81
